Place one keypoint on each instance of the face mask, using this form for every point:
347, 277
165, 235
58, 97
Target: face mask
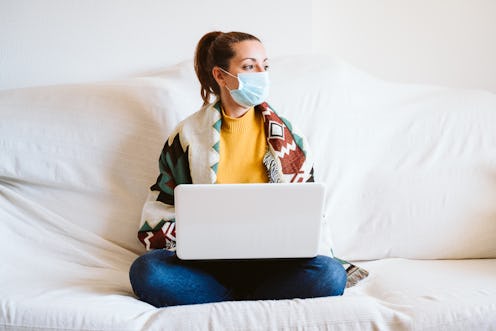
252, 90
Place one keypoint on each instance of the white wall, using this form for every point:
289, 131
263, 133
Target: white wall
60, 41
446, 42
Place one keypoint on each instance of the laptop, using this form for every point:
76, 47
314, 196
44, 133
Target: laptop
248, 221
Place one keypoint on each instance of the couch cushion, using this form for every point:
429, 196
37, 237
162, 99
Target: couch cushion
410, 169
88, 153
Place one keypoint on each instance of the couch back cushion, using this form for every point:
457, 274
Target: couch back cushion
88, 153
410, 170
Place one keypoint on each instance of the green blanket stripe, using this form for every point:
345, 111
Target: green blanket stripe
174, 167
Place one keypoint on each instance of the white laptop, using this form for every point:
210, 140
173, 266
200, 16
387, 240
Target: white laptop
248, 221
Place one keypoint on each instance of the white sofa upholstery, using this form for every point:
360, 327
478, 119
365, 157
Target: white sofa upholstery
410, 173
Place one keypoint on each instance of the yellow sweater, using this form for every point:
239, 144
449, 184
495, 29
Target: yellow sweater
242, 148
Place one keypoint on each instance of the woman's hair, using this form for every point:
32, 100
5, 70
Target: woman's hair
215, 49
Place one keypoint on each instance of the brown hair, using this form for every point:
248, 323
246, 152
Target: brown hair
215, 49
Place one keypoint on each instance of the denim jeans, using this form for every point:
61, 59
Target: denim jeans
161, 279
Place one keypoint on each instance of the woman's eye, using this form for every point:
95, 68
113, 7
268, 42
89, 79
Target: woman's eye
248, 67
266, 67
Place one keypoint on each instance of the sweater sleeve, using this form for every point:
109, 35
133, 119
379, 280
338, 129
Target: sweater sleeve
158, 228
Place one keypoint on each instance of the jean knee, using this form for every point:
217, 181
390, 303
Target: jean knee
143, 269
333, 276
138, 268
137, 271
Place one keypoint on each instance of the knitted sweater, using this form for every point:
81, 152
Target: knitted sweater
243, 145
191, 155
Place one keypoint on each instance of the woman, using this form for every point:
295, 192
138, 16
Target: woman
234, 139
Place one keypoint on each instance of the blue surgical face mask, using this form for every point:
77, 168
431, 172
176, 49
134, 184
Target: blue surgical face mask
253, 88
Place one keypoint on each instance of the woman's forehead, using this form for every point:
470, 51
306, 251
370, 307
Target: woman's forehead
247, 50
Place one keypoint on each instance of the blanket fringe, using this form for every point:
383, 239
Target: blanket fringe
272, 168
355, 273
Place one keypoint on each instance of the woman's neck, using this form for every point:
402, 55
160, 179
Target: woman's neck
231, 108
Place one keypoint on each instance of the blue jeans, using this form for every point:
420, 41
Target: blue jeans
161, 279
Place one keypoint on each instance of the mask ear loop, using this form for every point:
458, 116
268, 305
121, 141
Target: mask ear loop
227, 72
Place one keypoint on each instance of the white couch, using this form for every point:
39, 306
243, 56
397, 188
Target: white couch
411, 196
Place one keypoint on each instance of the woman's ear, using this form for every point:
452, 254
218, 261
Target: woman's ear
218, 76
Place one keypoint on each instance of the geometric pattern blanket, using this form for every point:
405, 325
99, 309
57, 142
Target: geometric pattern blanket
194, 144
191, 155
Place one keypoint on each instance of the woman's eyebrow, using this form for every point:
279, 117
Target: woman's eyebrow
254, 59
